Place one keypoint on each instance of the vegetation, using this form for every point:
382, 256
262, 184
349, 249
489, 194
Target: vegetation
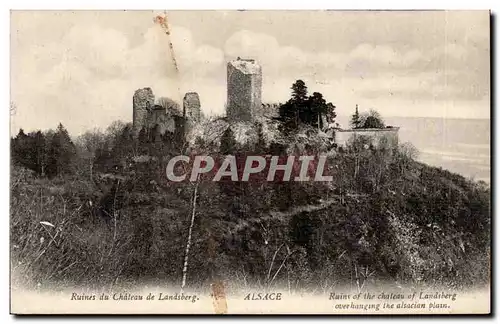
99, 211
50, 153
355, 119
372, 119
304, 109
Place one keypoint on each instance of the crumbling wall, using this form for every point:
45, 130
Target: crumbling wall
270, 110
192, 107
148, 115
162, 118
244, 90
142, 102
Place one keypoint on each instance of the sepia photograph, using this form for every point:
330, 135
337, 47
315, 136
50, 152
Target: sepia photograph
250, 162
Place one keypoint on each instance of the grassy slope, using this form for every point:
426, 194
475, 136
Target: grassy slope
396, 220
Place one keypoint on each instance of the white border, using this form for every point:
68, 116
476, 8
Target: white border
184, 4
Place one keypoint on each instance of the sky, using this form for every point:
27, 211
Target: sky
81, 68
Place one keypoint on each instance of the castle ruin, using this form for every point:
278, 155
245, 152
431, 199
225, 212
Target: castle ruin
148, 115
244, 90
143, 101
270, 110
244, 101
191, 106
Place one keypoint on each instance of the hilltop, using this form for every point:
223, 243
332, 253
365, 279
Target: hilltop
384, 218
101, 211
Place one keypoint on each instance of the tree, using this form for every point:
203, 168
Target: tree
294, 109
372, 120
62, 152
143, 141
300, 108
29, 151
406, 153
39, 148
103, 158
124, 146
179, 140
114, 131
315, 109
18, 148
299, 92
355, 119
289, 117
227, 142
330, 113
89, 144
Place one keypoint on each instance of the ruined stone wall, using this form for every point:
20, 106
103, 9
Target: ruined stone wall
256, 94
143, 100
162, 118
244, 90
155, 115
270, 110
192, 107
164, 122
148, 115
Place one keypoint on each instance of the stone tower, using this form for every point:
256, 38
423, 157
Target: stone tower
244, 90
192, 107
143, 103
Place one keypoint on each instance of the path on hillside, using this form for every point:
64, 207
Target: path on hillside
294, 211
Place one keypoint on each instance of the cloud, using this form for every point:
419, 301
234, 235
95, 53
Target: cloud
88, 76
194, 61
278, 59
369, 70
382, 56
82, 70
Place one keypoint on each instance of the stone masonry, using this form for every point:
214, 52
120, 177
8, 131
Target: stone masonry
192, 107
143, 101
244, 90
148, 115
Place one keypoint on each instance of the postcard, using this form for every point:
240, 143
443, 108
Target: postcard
250, 162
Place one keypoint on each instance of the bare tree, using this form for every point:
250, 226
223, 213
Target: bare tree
88, 143
406, 152
190, 235
114, 130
